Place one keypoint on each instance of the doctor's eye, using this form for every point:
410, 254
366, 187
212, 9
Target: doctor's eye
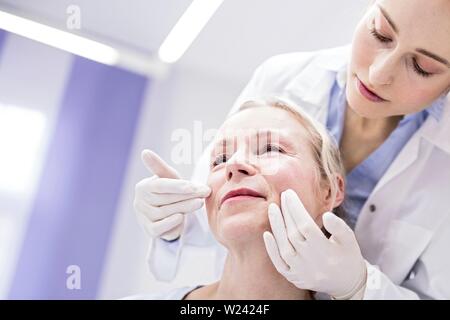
419, 70
219, 160
269, 148
379, 37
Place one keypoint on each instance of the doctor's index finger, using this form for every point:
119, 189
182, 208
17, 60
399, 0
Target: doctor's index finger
158, 166
176, 186
306, 225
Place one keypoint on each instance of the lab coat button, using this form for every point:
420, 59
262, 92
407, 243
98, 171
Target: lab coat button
372, 208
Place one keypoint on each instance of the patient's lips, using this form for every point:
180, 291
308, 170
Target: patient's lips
241, 194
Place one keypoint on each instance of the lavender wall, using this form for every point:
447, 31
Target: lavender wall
2, 37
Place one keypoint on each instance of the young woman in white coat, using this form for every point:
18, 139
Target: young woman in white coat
385, 100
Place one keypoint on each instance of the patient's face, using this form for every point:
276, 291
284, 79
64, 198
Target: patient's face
268, 165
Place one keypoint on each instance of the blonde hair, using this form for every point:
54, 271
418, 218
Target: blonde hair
325, 152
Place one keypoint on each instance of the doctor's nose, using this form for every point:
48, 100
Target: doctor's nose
239, 167
381, 71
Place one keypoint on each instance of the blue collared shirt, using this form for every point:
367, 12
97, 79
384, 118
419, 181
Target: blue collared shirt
364, 177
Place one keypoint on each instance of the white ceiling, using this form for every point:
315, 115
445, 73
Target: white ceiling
239, 36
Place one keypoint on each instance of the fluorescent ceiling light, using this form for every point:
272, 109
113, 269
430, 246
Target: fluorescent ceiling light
187, 28
59, 39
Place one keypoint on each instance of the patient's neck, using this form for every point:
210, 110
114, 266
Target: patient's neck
249, 274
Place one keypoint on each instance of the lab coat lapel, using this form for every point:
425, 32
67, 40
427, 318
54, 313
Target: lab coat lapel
439, 135
407, 235
394, 237
433, 132
405, 158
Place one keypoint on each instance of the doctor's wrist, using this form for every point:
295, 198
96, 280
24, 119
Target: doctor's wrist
357, 293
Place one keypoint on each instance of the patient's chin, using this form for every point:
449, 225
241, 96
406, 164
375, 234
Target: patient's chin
242, 226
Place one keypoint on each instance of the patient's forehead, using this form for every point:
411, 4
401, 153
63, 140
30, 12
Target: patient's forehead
261, 125
261, 119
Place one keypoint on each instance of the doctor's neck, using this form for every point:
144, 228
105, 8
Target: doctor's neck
379, 128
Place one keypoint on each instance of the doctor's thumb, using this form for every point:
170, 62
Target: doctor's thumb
158, 166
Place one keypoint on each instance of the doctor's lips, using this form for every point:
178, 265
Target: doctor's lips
241, 194
368, 93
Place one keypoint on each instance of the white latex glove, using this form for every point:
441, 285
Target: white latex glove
162, 200
306, 257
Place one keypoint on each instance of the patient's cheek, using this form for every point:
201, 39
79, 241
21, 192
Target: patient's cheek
298, 176
288, 174
208, 203
208, 200
212, 183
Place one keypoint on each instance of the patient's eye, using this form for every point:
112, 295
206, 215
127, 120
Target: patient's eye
219, 159
269, 148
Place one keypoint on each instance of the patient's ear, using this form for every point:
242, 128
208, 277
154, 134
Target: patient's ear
340, 193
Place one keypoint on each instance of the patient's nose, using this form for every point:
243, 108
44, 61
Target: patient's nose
238, 167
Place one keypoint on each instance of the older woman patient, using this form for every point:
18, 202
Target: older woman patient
264, 149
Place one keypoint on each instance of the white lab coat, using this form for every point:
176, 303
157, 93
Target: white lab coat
406, 239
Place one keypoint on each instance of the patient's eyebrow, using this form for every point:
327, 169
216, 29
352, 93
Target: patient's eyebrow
223, 143
278, 135
270, 135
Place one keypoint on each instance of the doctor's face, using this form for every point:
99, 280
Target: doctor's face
248, 160
400, 57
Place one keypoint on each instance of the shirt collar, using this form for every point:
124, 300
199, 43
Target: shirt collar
341, 77
437, 107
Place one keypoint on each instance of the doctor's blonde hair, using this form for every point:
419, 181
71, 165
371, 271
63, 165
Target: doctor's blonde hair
325, 151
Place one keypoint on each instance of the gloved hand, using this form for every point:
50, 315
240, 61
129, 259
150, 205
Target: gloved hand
306, 257
162, 200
